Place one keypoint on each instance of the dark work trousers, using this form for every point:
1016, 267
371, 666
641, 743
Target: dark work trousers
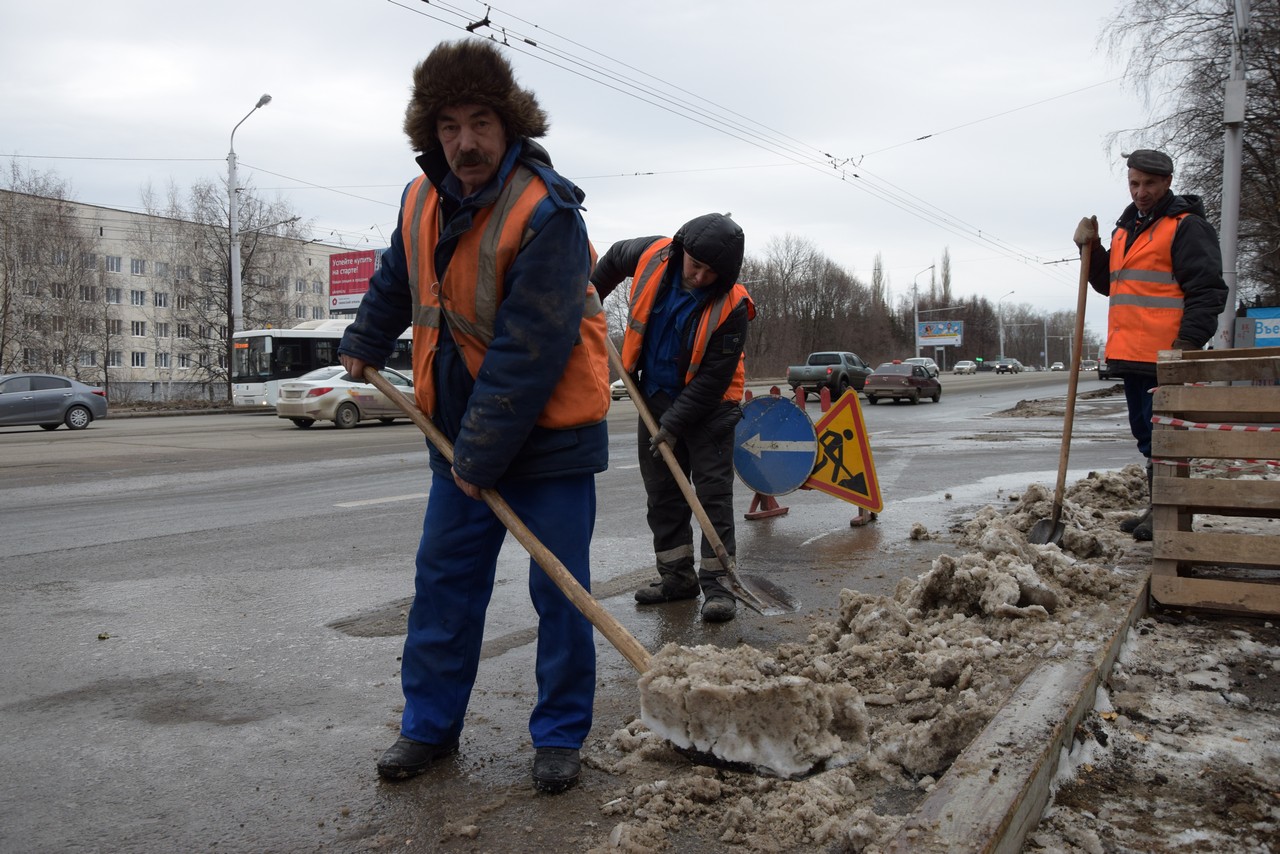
457, 558
1137, 394
707, 461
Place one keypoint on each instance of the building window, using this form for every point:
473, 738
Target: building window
300, 311
31, 357
88, 293
316, 287
204, 360
115, 295
137, 297
184, 330
138, 359
160, 299
162, 269
184, 273
137, 266
58, 358
30, 288
60, 290
138, 328
115, 326
162, 331
114, 263
184, 302
162, 360
89, 325
184, 360
62, 257
115, 359
58, 323
88, 358
206, 276
89, 261
317, 313
203, 333
300, 287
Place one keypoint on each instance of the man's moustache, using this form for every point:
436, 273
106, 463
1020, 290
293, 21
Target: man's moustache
472, 158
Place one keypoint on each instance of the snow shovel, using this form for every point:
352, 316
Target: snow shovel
767, 599
614, 632
1051, 530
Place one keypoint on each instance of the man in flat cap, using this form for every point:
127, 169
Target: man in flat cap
685, 334
489, 263
1163, 274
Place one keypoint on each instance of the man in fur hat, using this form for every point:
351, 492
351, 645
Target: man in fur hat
686, 328
489, 263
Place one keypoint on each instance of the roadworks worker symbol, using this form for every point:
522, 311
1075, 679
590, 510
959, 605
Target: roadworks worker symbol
844, 467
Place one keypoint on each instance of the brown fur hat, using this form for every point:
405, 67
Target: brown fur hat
469, 71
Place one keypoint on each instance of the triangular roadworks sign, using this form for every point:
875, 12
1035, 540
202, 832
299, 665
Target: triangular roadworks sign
844, 467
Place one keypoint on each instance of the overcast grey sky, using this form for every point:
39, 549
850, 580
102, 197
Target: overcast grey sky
800, 118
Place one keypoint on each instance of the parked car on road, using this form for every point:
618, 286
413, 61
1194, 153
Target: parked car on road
965, 367
49, 400
1088, 365
1104, 373
1008, 366
899, 381
618, 390
331, 394
1057, 366
929, 364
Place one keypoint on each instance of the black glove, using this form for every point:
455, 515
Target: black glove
662, 437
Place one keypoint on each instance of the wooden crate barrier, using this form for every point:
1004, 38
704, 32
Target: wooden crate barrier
1221, 571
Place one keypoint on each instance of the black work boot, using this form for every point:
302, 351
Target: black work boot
408, 758
718, 604
678, 582
555, 769
719, 607
1142, 531
1134, 522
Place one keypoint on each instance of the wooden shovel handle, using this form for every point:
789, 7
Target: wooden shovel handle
1070, 417
614, 632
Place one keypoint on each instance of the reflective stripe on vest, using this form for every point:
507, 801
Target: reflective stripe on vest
471, 291
1146, 302
644, 289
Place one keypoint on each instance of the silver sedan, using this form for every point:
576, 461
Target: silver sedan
331, 394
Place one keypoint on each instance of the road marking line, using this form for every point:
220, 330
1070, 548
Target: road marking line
366, 502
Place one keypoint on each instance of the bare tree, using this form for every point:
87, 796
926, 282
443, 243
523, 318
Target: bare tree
49, 286
1177, 53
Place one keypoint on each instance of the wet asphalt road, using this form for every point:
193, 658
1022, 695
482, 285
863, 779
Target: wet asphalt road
202, 618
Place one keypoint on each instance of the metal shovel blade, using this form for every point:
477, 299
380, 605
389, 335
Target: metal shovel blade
1046, 531
773, 598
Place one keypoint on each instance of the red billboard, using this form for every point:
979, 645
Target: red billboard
349, 274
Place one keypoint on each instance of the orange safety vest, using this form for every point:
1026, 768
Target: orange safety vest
1146, 302
472, 288
644, 290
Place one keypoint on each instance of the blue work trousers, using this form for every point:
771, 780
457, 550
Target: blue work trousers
456, 563
1137, 394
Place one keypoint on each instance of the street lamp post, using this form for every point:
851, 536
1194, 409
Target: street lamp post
237, 299
1000, 312
915, 310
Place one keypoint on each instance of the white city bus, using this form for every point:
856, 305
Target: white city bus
263, 357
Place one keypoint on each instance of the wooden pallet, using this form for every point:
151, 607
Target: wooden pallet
1221, 571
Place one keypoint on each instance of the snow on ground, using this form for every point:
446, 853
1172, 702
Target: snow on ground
910, 679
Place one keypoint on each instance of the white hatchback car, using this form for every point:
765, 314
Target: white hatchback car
331, 394
965, 367
925, 362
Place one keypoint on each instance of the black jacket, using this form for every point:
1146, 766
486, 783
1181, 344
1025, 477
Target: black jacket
1197, 266
700, 403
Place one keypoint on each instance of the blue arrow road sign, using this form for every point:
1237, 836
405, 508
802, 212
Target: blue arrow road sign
774, 446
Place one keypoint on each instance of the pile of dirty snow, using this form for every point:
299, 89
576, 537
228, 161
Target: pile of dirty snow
906, 682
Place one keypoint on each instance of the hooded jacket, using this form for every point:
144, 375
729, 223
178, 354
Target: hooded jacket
492, 418
1196, 262
717, 241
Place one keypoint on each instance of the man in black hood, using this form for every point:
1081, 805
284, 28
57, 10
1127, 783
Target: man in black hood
1163, 274
686, 329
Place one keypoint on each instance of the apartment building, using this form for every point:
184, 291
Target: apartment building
140, 302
